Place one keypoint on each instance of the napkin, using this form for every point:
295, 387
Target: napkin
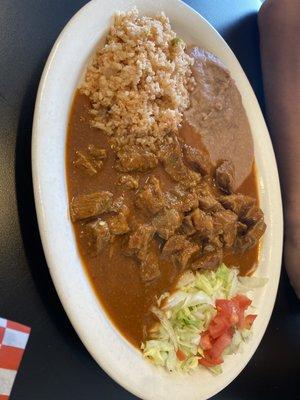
13, 340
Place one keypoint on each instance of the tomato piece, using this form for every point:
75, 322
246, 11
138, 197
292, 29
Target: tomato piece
210, 362
248, 321
180, 355
218, 325
224, 305
220, 345
242, 301
230, 331
241, 319
229, 309
205, 341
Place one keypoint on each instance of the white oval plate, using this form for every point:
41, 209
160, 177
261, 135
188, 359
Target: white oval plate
61, 75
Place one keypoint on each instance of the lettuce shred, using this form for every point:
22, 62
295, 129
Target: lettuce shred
187, 312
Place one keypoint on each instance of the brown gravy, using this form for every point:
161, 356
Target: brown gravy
114, 276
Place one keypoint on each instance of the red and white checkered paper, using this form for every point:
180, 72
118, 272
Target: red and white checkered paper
13, 340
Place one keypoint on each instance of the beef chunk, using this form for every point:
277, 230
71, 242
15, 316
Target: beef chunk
95, 236
198, 159
251, 237
208, 261
173, 163
205, 186
252, 216
225, 225
150, 197
135, 158
118, 223
118, 204
188, 198
190, 202
180, 249
97, 155
81, 161
91, 163
238, 203
139, 241
209, 203
128, 181
174, 244
225, 176
182, 258
90, 205
252, 221
203, 223
149, 269
166, 222
172, 200
97, 152
212, 244
192, 180
241, 228
217, 230
251, 224
187, 226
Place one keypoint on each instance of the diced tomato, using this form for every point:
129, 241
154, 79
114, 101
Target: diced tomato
218, 325
205, 341
229, 309
209, 362
220, 345
242, 301
230, 315
180, 355
230, 331
248, 321
241, 319
225, 306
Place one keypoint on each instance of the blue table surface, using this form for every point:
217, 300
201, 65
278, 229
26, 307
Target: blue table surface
56, 365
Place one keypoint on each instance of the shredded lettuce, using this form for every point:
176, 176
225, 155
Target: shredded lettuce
186, 313
216, 370
247, 283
